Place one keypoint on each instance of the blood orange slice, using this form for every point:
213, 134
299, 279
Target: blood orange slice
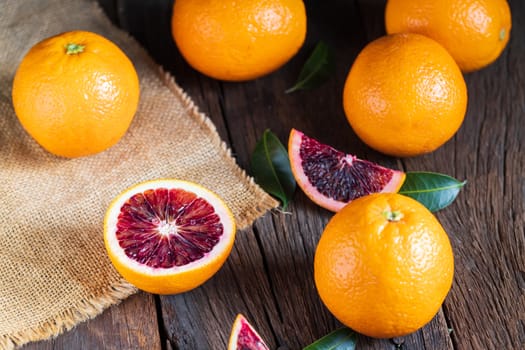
168, 236
244, 337
332, 178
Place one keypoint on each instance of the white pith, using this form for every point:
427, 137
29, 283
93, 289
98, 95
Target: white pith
167, 228
348, 159
226, 218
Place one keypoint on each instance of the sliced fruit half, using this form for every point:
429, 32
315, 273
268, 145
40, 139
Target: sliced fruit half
332, 178
244, 337
168, 236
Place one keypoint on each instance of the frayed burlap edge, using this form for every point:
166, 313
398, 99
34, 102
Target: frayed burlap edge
66, 320
266, 202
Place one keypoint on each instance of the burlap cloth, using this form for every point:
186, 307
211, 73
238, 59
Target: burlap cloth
54, 272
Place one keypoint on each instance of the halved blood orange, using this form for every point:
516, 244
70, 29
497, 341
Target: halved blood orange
332, 178
168, 236
244, 337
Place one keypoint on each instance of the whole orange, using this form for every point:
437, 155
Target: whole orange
75, 93
384, 265
475, 32
238, 40
405, 95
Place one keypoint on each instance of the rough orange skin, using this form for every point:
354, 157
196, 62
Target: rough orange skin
475, 32
404, 95
238, 40
383, 278
75, 104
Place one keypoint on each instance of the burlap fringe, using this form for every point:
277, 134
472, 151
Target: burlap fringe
266, 201
83, 311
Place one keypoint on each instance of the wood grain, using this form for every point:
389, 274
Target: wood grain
129, 325
269, 276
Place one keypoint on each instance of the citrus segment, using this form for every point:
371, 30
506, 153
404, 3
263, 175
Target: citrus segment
332, 178
168, 236
384, 265
244, 337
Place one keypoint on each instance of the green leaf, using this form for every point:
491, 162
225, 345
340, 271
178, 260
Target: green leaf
341, 339
270, 167
435, 191
317, 69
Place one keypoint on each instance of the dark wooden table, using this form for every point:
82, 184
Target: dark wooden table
269, 276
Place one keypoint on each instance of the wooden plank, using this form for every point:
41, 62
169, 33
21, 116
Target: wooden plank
110, 9
490, 244
129, 325
202, 318
486, 306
